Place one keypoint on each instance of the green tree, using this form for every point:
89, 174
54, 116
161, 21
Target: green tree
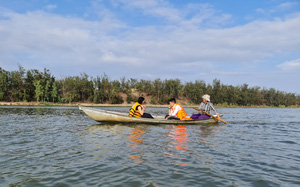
25, 95
17, 84
157, 89
244, 95
36, 85
114, 96
128, 96
68, 97
232, 95
194, 91
54, 92
217, 95
133, 83
39, 92
172, 88
3, 84
97, 96
30, 89
125, 85
47, 91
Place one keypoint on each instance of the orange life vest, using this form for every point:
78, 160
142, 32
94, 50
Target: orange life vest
181, 114
134, 112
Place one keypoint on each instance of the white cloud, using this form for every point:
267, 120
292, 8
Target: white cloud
50, 7
40, 33
286, 6
157, 8
293, 65
193, 14
113, 59
69, 45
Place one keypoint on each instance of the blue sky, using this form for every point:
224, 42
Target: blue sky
255, 42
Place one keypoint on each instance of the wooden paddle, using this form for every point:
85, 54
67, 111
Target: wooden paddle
209, 115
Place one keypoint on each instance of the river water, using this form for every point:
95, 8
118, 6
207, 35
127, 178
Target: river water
61, 146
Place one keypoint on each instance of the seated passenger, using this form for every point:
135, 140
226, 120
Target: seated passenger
138, 109
176, 111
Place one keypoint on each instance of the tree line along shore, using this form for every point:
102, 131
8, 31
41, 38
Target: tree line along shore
90, 104
34, 87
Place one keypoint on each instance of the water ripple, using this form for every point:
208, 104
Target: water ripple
60, 146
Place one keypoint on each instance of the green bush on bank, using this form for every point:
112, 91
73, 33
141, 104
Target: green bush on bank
33, 85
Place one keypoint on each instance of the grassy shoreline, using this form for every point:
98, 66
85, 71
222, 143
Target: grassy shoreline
125, 105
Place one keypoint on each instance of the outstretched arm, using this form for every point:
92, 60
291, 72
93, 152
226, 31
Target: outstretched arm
213, 108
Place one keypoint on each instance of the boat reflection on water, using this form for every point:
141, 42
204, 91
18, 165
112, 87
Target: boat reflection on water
133, 133
135, 140
179, 139
180, 148
180, 135
175, 141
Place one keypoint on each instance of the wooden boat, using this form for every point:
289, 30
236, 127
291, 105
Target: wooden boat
118, 117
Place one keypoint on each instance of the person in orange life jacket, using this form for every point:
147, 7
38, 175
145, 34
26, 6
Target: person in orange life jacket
138, 109
176, 111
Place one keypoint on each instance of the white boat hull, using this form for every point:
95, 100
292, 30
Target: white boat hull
110, 116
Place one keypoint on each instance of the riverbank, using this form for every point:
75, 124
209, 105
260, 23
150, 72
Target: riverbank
125, 105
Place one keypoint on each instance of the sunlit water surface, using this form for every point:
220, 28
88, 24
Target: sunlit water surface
61, 146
